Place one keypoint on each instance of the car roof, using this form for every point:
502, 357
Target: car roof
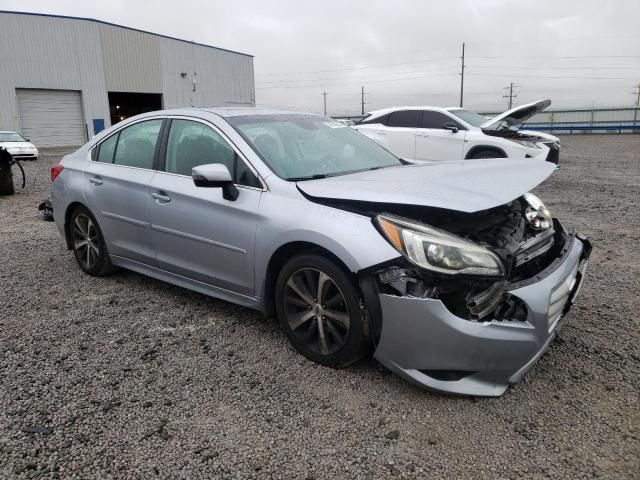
226, 112
384, 111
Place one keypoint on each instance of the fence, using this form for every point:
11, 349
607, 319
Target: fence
591, 120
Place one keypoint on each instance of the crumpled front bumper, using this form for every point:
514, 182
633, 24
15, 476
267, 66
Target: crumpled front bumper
425, 343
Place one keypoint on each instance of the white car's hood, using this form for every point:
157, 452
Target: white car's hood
18, 145
515, 117
465, 186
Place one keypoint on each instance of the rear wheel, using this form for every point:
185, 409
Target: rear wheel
319, 309
88, 244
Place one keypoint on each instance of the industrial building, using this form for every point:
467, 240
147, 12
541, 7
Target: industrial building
64, 79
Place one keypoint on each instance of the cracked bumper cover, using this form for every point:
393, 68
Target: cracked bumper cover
420, 334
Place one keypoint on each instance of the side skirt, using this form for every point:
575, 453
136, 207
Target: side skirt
188, 283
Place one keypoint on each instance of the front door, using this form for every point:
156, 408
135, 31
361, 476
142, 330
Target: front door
197, 233
434, 142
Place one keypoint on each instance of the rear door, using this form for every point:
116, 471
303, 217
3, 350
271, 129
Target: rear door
117, 188
434, 142
197, 233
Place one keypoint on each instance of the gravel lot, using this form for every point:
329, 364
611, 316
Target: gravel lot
128, 377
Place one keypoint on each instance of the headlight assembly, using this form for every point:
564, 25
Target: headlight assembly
438, 251
538, 216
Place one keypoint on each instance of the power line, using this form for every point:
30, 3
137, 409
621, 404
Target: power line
565, 57
277, 82
363, 67
553, 68
549, 76
357, 83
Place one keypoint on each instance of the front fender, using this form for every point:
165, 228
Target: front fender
349, 236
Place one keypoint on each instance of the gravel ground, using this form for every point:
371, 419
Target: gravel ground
128, 377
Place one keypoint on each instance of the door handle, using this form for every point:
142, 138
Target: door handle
96, 180
422, 134
161, 197
381, 133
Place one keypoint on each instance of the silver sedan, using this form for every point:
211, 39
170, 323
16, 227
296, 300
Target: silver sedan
453, 275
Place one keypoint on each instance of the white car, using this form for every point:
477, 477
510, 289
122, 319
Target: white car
19, 147
440, 134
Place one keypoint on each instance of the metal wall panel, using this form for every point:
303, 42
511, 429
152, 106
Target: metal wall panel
131, 60
212, 77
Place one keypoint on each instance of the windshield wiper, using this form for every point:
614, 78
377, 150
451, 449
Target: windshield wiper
308, 177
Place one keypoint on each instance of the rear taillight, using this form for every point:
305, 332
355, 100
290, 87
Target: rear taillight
55, 171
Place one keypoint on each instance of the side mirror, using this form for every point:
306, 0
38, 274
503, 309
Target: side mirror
451, 127
215, 175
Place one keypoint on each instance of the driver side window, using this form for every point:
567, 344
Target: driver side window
193, 143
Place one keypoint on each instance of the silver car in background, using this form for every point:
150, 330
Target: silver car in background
452, 274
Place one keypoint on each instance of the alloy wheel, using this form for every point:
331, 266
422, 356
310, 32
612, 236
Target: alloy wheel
316, 311
85, 241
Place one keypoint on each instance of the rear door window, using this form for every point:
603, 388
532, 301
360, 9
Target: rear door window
137, 144
405, 118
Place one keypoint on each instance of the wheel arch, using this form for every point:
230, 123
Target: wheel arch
67, 217
478, 148
281, 255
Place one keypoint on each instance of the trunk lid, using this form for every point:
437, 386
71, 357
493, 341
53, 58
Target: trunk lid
465, 186
512, 120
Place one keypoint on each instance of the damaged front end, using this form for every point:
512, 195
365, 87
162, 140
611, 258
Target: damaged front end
477, 328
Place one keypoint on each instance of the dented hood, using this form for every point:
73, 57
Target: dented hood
465, 186
516, 117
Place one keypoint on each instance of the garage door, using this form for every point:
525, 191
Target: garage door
51, 117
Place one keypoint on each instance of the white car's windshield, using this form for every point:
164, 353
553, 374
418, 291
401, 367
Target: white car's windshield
298, 147
472, 118
11, 137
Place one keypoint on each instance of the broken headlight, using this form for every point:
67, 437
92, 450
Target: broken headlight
538, 216
524, 143
438, 251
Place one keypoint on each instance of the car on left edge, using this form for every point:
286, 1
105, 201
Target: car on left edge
19, 147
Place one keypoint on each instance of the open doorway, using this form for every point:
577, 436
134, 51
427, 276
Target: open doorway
123, 105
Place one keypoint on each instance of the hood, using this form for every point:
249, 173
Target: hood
465, 186
543, 135
514, 119
17, 145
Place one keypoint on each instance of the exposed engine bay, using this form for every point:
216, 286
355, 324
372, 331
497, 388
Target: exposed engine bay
506, 230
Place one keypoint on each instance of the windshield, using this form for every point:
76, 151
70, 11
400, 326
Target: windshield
11, 137
472, 118
298, 147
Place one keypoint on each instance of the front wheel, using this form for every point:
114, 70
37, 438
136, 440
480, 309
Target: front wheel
88, 243
486, 154
319, 309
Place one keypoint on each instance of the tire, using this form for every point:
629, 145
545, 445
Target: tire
88, 243
487, 153
335, 314
6, 175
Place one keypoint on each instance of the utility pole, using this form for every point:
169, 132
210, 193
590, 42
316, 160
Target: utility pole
636, 92
324, 94
462, 77
362, 99
511, 95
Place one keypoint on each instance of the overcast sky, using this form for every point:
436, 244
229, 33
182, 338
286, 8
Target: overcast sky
578, 53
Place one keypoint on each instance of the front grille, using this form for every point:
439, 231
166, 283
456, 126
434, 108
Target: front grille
554, 152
